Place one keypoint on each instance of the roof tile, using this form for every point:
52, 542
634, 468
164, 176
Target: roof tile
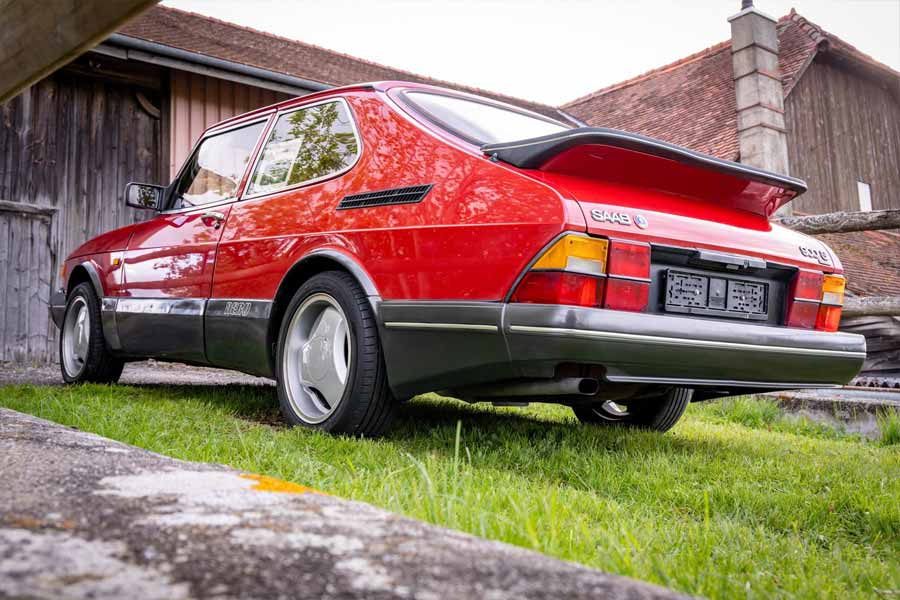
220, 39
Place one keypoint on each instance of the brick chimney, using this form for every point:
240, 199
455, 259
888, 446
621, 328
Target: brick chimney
757, 88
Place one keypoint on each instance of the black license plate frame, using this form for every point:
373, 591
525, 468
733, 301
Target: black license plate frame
712, 294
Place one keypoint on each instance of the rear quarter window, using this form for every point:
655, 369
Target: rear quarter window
306, 145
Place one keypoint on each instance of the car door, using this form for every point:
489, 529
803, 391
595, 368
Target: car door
169, 261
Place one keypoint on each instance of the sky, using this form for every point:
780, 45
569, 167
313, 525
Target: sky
545, 51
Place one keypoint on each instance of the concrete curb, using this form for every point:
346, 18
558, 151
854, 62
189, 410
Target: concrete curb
82, 516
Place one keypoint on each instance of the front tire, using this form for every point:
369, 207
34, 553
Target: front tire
83, 354
330, 365
659, 413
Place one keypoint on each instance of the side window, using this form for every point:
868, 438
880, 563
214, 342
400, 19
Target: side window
214, 170
305, 145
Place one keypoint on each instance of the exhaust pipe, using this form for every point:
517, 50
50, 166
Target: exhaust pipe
567, 386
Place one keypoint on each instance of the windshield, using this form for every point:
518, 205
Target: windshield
480, 122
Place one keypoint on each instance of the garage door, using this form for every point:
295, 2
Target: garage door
26, 334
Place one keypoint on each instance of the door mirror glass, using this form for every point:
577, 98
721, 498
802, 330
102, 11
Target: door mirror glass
144, 195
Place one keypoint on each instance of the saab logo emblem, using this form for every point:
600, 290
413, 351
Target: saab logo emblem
237, 309
821, 256
604, 216
620, 218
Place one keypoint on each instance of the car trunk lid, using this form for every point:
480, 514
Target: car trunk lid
639, 188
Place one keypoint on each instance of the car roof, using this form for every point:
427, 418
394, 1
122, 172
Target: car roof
381, 86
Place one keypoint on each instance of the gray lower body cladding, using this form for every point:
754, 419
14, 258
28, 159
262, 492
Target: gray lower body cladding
440, 345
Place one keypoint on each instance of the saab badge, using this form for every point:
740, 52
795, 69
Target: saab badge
640, 221
605, 216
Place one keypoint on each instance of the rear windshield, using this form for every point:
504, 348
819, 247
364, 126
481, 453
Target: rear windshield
480, 122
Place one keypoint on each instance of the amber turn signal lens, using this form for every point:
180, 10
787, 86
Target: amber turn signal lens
833, 290
575, 254
829, 317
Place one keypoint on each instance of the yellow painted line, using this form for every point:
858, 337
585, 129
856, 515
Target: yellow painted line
264, 483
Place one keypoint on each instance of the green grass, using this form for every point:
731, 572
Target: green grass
889, 425
737, 501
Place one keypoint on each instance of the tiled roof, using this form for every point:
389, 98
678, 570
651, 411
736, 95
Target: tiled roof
220, 39
871, 260
691, 101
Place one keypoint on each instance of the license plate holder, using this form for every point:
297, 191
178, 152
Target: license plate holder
715, 295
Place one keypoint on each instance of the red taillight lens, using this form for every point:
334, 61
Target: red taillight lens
803, 299
556, 287
624, 294
802, 314
629, 259
829, 318
628, 286
807, 285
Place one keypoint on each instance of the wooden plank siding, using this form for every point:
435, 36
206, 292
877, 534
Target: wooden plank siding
843, 128
71, 141
198, 101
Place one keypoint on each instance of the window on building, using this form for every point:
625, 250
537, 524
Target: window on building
215, 169
865, 196
306, 145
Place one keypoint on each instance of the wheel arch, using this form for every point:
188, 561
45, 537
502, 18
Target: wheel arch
309, 265
81, 273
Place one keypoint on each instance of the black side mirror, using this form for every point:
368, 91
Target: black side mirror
144, 195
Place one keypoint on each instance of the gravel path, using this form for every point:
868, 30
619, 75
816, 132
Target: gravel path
82, 516
147, 372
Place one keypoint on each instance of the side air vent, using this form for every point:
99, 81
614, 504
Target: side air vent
404, 195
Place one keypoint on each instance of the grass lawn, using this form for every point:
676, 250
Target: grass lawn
738, 500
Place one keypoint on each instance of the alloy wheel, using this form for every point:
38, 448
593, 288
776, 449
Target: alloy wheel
316, 359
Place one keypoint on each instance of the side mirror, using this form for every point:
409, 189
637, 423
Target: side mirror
144, 195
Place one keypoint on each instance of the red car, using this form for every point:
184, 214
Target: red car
366, 244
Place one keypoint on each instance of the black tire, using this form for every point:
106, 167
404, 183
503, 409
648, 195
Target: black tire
99, 365
659, 413
367, 406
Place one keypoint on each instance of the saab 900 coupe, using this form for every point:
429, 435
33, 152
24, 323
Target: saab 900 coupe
366, 244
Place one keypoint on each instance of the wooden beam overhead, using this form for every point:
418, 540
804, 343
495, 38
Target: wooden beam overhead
869, 306
843, 222
36, 38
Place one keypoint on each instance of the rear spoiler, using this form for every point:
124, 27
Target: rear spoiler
558, 152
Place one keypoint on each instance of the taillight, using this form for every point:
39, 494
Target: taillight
584, 271
628, 287
803, 299
555, 287
815, 301
829, 317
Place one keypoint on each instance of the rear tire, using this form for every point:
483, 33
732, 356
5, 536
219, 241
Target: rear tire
83, 354
659, 413
330, 365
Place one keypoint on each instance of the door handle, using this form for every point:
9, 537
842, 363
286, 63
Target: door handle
212, 217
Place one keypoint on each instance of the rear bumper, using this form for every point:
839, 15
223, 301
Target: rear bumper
436, 345
57, 307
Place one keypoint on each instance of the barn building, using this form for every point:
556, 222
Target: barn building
130, 110
788, 96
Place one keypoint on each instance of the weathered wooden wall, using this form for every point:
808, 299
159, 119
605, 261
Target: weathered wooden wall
198, 101
843, 128
71, 141
882, 343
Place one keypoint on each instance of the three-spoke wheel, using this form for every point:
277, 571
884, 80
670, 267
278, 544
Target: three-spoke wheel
330, 365
659, 413
83, 355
